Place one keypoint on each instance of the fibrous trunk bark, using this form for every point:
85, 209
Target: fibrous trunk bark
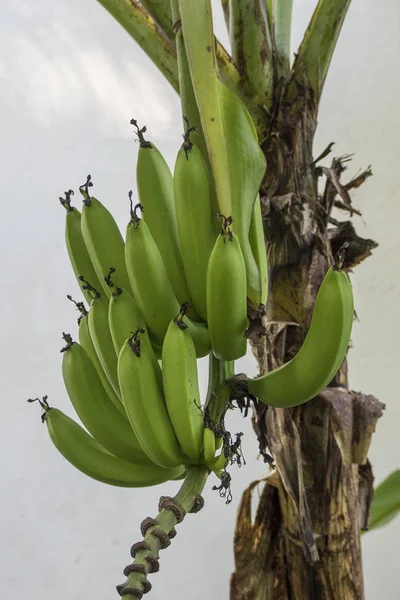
304, 542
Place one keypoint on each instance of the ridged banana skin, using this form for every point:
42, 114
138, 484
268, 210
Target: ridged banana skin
258, 248
322, 352
99, 330
156, 193
195, 225
105, 244
153, 291
181, 389
88, 456
124, 317
78, 253
226, 299
208, 446
246, 170
86, 342
94, 408
142, 393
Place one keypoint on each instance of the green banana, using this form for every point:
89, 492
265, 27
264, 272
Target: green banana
123, 314
153, 291
76, 247
100, 334
103, 240
226, 296
89, 457
93, 407
258, 248
247, 164
140, 379
322, 352
208, 445
181, 387
194, 218
87, 343
156, 194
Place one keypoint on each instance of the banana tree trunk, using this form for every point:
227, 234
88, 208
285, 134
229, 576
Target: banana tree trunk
304, 542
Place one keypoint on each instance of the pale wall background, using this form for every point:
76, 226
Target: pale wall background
71, 79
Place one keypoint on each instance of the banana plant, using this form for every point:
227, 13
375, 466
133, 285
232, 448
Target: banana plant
183, 285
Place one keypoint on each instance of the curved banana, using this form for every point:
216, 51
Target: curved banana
89, 457
76, 247
246, 164
194, 218
100, 334
93, 407
87, 343
153, 291
140, 379
103, 240
123, 314
322, 352
181, 387
258, 248
226, 296
208, 445
156, 193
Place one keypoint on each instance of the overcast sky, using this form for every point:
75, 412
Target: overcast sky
71, 79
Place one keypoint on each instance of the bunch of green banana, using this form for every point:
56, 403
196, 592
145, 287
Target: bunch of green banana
177, 289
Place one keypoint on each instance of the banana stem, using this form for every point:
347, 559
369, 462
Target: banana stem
158, 532
282, 23
316, 50
218, 392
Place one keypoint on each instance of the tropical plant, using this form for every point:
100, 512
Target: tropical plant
237, 246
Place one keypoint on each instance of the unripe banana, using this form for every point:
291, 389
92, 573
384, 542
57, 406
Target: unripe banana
156, 193
181, 388
93, 407
103, 240
194, 218
123, 314
153, 291
77, 251
246, 170
258, 248
322, 352
100, 334
87, 343
208, 445
226, 296
89, 457
140, 379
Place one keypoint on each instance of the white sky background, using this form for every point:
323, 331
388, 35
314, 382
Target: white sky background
70, 80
